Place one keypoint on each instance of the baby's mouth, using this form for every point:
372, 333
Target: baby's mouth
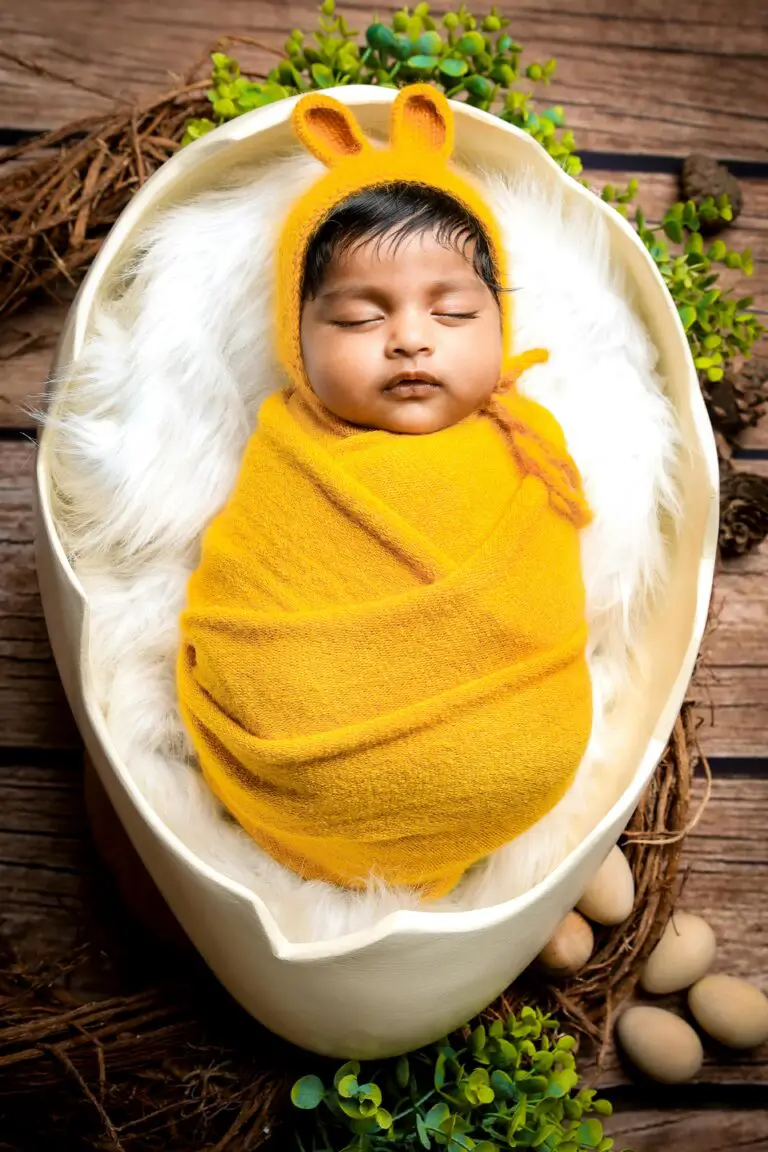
407, 385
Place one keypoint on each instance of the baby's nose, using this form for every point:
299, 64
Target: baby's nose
411, 336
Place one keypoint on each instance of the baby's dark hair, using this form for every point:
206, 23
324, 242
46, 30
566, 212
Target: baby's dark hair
397, 211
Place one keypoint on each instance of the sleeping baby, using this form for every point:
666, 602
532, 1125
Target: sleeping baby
383, 665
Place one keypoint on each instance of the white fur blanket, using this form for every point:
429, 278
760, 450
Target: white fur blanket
147, 443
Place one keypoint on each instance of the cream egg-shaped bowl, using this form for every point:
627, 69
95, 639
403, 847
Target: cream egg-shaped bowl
415, 975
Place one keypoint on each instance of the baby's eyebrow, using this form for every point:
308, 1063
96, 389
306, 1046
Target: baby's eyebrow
360, 290
372, 292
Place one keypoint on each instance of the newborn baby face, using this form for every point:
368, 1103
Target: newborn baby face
405, 337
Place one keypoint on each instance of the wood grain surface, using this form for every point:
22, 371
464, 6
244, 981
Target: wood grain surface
665, 79
678, 1130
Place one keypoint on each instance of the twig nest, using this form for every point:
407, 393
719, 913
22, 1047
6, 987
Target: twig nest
660, 1044
569, 948
743, 512
682, 956
702, 176
731, 1010
611, 895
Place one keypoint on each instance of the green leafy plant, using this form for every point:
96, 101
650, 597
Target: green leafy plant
468, 57
475, 59
718, 325
512, 1085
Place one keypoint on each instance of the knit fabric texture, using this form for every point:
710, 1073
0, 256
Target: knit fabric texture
383, 663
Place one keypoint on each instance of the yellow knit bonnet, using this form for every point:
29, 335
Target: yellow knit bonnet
420, 147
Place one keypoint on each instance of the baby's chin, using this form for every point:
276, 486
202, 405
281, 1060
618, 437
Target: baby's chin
415, 417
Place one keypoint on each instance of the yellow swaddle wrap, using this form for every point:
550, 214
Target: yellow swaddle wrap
383, 652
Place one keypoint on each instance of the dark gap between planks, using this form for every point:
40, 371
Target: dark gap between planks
65, 758
686, 1097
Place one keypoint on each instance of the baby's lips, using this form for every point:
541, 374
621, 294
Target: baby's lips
405, 378
406, 389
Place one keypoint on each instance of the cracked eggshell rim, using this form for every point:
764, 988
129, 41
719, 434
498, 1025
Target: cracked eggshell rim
413, 976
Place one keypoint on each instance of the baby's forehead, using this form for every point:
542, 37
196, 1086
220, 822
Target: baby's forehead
424, 254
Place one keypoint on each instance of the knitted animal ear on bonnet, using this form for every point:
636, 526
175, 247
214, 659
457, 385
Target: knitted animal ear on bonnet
421, 139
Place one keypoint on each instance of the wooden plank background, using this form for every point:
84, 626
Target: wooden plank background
643, 84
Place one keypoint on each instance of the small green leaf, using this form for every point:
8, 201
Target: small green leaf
195, 128
590, 1133
402, 1072
695, 244
688, 316
471, 44
479, 87
322, 76
452, 67
503, 1086
477, 1040
423, 63
225, 108
674, 230
381, 38
384, 1119
352, 1068
307, 1093
428, 44
437, 1116
347, 1087
422, 1133
506, 1054
370, 1092
354, 1110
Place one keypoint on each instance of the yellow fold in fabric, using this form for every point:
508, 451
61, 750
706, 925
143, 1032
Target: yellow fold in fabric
383, 654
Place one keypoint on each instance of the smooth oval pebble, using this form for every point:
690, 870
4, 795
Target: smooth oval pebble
682, 956
660, 1044
570, 946
611, 895
731, 1010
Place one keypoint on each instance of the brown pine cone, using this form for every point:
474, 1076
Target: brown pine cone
738, 400
702, 176
743, 512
